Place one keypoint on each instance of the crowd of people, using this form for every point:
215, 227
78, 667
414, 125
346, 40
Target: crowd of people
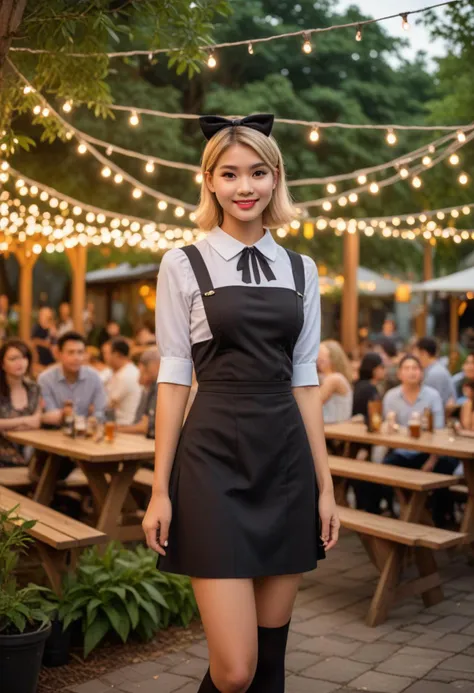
118, 377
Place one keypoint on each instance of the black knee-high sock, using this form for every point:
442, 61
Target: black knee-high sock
207, 685
270, 673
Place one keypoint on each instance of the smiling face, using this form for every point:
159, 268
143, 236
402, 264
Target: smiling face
242, 183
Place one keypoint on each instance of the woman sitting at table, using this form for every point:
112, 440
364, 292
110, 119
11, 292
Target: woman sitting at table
335, 375
19, 398
366, 389
466, 417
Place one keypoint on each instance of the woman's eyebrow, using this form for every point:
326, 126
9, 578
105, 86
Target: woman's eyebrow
236, 168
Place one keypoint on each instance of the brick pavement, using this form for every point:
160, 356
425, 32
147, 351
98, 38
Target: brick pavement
331, 650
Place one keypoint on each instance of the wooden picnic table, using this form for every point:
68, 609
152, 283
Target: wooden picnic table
108, 467
440, 442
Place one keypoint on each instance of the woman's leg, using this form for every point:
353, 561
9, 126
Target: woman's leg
274, 599
229, 617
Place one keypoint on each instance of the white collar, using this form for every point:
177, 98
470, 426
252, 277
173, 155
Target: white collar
228, 247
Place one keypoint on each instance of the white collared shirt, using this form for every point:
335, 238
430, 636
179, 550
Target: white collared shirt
180, 315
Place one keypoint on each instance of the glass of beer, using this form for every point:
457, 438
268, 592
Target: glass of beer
109, 426
414, 425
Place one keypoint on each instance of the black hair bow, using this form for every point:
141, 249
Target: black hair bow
211, 124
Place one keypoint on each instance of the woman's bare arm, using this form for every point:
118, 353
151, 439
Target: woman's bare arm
310, 406
466, 416
170, 406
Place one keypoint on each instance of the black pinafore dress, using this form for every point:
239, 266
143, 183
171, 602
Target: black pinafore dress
243, 485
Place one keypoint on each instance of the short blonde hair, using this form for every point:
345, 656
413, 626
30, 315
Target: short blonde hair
337, 356
280, 209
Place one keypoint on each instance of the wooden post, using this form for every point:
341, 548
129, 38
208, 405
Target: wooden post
453, 323
27, 260
78, 258
350, 296
427, 275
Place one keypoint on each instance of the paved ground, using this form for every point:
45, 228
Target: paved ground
330, 649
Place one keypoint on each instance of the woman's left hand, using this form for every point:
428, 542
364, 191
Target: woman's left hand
329, 520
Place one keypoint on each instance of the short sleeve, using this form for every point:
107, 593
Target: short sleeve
173, 308
307, 346
437, 409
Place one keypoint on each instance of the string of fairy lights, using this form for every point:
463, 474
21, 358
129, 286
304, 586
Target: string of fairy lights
304, 35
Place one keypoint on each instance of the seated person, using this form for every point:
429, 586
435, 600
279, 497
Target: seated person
123, 389
387, 348
371, 375
335, 375
144, 422
436, 375
43, 336
467, 410
94, 360
20, 407
71, 380
459, 379
412, 395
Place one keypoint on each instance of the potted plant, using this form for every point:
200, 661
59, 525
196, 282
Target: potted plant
24, 611
120, 591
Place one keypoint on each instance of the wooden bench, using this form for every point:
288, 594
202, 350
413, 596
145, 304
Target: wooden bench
57, 536
387, 541
19, 477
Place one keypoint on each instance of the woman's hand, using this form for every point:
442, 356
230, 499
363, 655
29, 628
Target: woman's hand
156, 522
329, 520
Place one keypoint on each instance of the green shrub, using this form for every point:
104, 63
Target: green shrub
24, 608
121, 590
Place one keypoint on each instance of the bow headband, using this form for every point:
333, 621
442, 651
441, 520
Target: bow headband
211, 124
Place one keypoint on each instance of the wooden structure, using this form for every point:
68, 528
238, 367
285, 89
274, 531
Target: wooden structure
109, 469
57, 536
350, 296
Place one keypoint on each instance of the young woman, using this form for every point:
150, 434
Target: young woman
336, 392
371, 375
238, 491
19, 398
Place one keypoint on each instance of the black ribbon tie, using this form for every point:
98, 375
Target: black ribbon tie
258, 259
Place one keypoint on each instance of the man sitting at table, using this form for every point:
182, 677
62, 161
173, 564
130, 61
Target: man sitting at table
144, 423
436, 375
69, 380
413, 396
123, 389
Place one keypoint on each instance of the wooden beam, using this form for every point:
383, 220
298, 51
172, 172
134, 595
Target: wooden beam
27, 260
350, 296
427, 275
78, 258
453, 323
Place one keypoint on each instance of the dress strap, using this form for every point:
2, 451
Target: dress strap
297, 266
200, 270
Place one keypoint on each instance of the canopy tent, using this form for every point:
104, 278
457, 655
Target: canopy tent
369, 283
457, 283
122, 273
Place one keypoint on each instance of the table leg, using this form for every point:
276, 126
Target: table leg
98, 484
467, 524
413, 510
46, 486
116, 495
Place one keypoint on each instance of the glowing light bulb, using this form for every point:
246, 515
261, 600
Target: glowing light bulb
307, 47
359, 33
67, 106
362, 180
82, 148
134, 120
342, 201
106, 172
405, 22
118, 178
37, 109
162, 205
45, 112
391, 138
179, 211
150, 167
463, 178
374, 188
454, 159
461, 136
250, 49
403, 172
314, 135
466, 210
27, 90
211, 61
327, 206
331, 188
198, 178
426, 161
353, 197
416, 182
137, 193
